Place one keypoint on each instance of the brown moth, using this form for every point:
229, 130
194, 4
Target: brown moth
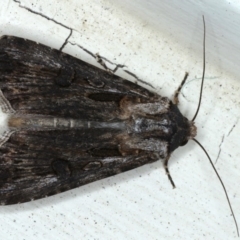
70, 123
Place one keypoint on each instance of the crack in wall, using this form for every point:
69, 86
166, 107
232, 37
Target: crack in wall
49, 19
195, 79
138, 79
220, 149
220, 145
100, 59
66, 40
232, 128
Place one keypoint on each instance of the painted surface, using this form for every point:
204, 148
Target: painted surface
158, 43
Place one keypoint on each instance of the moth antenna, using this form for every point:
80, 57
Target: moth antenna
220, 182
199, 103
203, 74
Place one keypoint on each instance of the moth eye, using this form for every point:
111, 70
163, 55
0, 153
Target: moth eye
184, 143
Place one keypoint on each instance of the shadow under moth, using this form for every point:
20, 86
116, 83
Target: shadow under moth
70, 123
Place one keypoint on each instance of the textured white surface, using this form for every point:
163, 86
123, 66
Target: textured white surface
158, 41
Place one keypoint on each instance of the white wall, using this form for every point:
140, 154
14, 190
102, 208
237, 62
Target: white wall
158, 41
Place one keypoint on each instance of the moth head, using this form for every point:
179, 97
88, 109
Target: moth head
184, 129
192, 133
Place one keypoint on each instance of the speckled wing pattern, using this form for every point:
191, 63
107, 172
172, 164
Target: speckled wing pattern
70, 123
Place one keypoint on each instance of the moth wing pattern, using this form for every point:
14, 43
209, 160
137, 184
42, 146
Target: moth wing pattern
37, 81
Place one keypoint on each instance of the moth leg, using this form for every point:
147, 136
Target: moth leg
175, 98
101, 61
167, 171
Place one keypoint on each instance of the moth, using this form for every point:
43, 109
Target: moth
69, 123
